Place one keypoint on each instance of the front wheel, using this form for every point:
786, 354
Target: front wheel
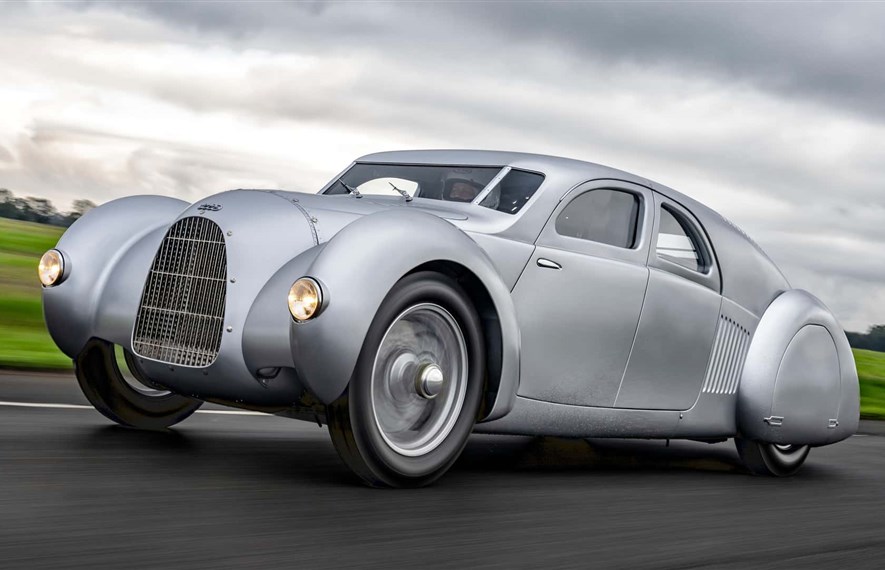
417, 387
771, 459
135, 402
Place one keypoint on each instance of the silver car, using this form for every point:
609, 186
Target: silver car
424, 295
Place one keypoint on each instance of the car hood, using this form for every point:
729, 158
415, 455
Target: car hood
330, 213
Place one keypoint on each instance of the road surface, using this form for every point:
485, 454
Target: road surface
259, 491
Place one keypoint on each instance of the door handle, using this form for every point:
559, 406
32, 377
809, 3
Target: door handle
548, 264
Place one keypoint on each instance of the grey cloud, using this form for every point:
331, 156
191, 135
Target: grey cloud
392, 99
830, 53
445, 100
263, 24
46, 167
852, 301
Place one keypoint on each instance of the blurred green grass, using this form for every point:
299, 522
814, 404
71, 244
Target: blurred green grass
24, 342
871, 372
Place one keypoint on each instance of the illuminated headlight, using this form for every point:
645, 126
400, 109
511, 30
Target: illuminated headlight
51, 268
305, 299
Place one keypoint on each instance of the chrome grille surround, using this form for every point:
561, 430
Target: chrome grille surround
727, 357
181, 315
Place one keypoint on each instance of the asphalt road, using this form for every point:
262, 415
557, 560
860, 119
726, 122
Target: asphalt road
260, 491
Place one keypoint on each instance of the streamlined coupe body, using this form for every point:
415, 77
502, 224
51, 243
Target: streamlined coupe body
424, 295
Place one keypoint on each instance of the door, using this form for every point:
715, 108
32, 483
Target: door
679, 317
579, 299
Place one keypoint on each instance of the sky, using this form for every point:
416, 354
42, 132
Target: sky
771, 113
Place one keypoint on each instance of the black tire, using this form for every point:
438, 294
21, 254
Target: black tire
353, 426
104, 386
771, 459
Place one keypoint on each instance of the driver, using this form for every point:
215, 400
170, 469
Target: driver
462, 190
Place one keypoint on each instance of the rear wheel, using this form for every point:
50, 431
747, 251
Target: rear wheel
416, 390
771, 459
132, 402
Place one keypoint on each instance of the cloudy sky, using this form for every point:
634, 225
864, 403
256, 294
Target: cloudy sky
774, 114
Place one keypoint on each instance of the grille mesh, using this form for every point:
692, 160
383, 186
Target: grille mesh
727, 358
181, 315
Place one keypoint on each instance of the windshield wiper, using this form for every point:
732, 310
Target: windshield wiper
351, 189
405, 194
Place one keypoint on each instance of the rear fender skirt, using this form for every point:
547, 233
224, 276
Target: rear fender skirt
799, 383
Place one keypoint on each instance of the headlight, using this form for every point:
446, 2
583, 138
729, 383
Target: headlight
305, 299
51, 268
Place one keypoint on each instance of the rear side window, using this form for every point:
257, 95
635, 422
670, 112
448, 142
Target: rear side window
678, 241
513, 191
605, 216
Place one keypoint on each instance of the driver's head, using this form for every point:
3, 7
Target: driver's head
462, 191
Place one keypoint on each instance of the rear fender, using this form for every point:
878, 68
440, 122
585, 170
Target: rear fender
799, 384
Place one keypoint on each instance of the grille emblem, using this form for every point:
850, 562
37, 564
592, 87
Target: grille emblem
209, 207
181, 316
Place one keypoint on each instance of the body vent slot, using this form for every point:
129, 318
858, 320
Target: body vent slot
181, 315
727, 357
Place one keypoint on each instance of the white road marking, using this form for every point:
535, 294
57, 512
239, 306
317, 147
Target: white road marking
216, 412
38, 405
82, 407
232, 412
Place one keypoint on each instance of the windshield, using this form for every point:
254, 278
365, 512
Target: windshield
450, 183
447, 183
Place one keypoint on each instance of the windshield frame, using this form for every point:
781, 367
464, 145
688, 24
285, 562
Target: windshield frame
491, 185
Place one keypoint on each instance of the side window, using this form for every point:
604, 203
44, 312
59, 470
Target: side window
513, 191
605, 216
679, 243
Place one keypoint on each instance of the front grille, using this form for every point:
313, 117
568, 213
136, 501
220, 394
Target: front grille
181, 316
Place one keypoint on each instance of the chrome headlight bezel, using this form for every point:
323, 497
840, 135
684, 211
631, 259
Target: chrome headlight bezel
305, 288
46, 272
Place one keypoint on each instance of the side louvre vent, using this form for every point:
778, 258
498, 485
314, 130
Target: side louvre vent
181, 314
727, 358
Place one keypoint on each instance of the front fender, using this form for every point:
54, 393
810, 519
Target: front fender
799, 384
357, 268
94, 248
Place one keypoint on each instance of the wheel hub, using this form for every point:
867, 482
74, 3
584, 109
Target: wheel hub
430, 381
419, 379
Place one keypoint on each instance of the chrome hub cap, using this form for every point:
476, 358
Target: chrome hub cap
419, 379
430, 381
